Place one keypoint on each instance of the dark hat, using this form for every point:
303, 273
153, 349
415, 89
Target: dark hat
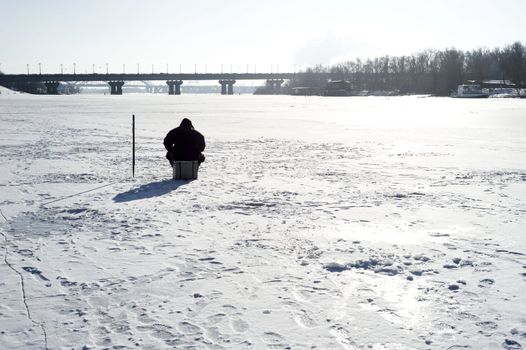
186, 123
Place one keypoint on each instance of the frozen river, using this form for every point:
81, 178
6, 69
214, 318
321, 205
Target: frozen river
346, 223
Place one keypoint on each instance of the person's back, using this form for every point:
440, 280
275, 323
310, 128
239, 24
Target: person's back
184, 143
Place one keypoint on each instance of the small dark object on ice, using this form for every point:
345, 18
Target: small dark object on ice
453, 287
511, 345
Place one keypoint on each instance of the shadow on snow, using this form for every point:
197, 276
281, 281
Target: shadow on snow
153, 189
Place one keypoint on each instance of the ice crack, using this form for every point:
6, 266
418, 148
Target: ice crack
22, 284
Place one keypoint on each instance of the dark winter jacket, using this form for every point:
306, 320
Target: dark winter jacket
184, 143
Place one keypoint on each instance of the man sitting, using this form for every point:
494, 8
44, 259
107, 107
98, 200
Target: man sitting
184, 143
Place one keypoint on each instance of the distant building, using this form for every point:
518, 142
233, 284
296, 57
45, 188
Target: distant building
493, 84
338, 88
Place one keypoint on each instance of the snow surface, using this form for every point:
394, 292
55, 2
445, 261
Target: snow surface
329, 223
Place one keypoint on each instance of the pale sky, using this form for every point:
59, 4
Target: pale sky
259, 33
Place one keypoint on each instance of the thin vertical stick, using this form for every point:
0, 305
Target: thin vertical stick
133, 145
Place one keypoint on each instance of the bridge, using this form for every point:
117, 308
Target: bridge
174, 81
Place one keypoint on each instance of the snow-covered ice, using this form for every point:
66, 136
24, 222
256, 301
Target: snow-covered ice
329, 223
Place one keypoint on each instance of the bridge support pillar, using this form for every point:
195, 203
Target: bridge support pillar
174, 87
231, 87
52, 87
171, 87
178, 84
227, 86
116, 87
275, 85
223, 86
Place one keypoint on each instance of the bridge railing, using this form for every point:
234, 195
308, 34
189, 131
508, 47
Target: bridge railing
13, 78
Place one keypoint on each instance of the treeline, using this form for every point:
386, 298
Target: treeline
426, 72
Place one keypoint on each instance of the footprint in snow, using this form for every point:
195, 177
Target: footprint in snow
486, 282
304, 320
214, 334
216, 318
188, 328
511, 345
162, 333
487, 325
272, 338
36, 272
240, 326
65, 282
